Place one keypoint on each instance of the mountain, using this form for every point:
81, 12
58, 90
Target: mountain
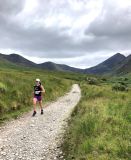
6, 64
18, 60
108, 66
15, 60
125, 67
117, 64
59, 67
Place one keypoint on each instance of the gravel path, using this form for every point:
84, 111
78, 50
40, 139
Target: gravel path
39, 137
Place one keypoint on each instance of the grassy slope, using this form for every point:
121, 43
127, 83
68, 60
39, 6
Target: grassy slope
16, 86
100, 128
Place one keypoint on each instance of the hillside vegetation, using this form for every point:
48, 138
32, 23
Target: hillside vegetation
100, 125
16, 86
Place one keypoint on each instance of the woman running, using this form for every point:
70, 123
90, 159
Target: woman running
38, 92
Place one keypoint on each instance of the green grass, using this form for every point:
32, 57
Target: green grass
16, 87
100, 125
99, 128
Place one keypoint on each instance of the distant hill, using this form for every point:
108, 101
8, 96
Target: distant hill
17, 59
117, 64
6, 64
108, 66
59, 67
125, 67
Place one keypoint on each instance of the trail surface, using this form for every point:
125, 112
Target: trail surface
39, 137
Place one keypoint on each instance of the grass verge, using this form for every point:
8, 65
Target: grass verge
100, 125
16, 89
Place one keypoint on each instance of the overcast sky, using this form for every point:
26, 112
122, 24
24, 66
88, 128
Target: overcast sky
79, 33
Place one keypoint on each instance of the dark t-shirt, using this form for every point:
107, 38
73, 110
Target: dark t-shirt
37, 90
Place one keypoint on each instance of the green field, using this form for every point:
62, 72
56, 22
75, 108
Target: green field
16, 87
100, 125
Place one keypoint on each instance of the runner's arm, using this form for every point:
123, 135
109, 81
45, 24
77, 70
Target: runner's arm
43, 90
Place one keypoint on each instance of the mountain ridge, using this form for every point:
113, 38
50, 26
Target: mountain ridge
21, 61
108, 65
116, 64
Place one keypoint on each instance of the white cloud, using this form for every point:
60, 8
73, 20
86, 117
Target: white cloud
79, 33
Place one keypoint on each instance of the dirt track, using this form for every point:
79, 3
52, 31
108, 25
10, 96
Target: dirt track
39, 137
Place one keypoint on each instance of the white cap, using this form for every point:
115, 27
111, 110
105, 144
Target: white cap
38, 80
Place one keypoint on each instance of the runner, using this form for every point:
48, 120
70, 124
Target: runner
38, 92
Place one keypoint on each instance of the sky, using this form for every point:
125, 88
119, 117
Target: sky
79, 33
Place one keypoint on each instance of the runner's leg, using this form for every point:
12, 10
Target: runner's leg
40, 103
34, 103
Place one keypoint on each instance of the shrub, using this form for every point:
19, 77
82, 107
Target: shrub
2, 107
104, 79
3, 88
16, 93
119, 87
123, 83
92, 81
126, 79
15, 106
